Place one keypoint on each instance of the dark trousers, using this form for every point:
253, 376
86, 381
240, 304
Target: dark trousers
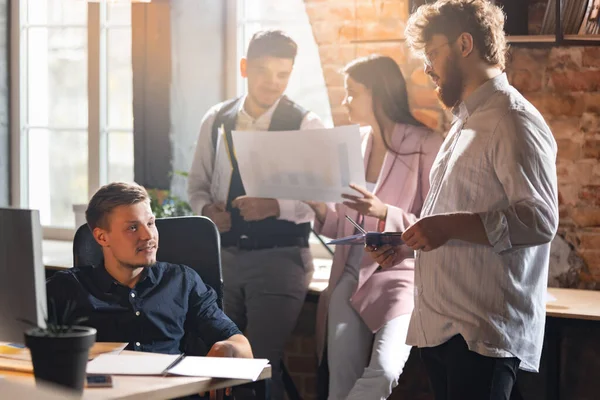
456, 373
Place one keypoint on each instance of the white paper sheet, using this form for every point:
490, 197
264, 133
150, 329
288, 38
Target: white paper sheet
222, 170
315, 164
231, 368
143, 364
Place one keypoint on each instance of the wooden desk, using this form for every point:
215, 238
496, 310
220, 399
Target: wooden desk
572, 307
574, 304
139, 387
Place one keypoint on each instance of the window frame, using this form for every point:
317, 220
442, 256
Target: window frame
97, 129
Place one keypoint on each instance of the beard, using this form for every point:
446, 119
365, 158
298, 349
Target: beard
450, 90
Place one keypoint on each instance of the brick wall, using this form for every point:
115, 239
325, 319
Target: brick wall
563, 83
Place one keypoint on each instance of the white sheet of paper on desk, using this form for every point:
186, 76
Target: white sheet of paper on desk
222, 170
230, 368
143, 364
315, 164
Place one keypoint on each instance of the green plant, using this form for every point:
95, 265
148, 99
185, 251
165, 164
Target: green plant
58, 324
164, 204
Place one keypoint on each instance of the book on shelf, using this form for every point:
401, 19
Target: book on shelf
578, 17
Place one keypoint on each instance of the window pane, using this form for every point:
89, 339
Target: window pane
64, 12
120, 156
57, 77
120, 79
58, 165
306, 85
119, 13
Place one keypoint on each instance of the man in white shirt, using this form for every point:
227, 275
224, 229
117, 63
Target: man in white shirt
267, 265
483, 241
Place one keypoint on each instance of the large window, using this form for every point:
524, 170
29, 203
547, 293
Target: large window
72, 121
307, 85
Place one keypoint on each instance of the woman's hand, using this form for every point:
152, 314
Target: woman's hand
385, 255
367, 204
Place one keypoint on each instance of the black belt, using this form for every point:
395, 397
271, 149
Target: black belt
268, 242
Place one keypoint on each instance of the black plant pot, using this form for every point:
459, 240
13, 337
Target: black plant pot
61, 359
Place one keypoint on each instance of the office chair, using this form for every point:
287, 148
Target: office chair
193, 241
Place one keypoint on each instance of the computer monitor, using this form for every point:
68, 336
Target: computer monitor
22, 278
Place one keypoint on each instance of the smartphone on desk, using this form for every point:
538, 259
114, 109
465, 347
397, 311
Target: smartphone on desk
98, 381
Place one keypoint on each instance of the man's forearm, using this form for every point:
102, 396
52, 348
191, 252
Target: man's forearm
467, 227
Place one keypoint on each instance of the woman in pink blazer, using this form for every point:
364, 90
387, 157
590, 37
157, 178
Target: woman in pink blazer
365, 311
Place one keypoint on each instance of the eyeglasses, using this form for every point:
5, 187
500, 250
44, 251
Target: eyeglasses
431, 55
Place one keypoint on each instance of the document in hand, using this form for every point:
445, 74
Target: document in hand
160, 364
314, 164
374, 239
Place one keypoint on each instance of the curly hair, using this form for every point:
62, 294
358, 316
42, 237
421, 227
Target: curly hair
482, 19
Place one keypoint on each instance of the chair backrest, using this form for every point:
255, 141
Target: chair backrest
192, 241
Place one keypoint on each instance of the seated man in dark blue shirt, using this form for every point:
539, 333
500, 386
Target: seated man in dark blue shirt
132, 297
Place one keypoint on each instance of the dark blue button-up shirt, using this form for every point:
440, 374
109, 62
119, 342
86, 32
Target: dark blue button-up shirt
168, 301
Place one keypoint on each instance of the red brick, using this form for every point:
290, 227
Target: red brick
309, 346
569, 150
591, 149
330, 12
592, 261
526, 81
576, 81
301, 364
431, 118
564, 128
590, 195
565, 57
333, 75
420, 97
591, 57
337, 54
585, 216
336, 95
592, 102
527, 59
569, 193
590, 123
589, 240
381, 30
340, 117
419, 77
382, 10
310, 385
393, 50
293, 346
561, 105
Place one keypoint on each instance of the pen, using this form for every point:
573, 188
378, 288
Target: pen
356, 225
174, 363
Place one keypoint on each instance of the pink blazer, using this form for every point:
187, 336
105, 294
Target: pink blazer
403, 184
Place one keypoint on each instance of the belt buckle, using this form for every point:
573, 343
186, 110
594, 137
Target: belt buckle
242, 242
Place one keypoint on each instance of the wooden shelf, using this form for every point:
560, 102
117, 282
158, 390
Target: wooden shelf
366, 41
582, 38
531, 39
